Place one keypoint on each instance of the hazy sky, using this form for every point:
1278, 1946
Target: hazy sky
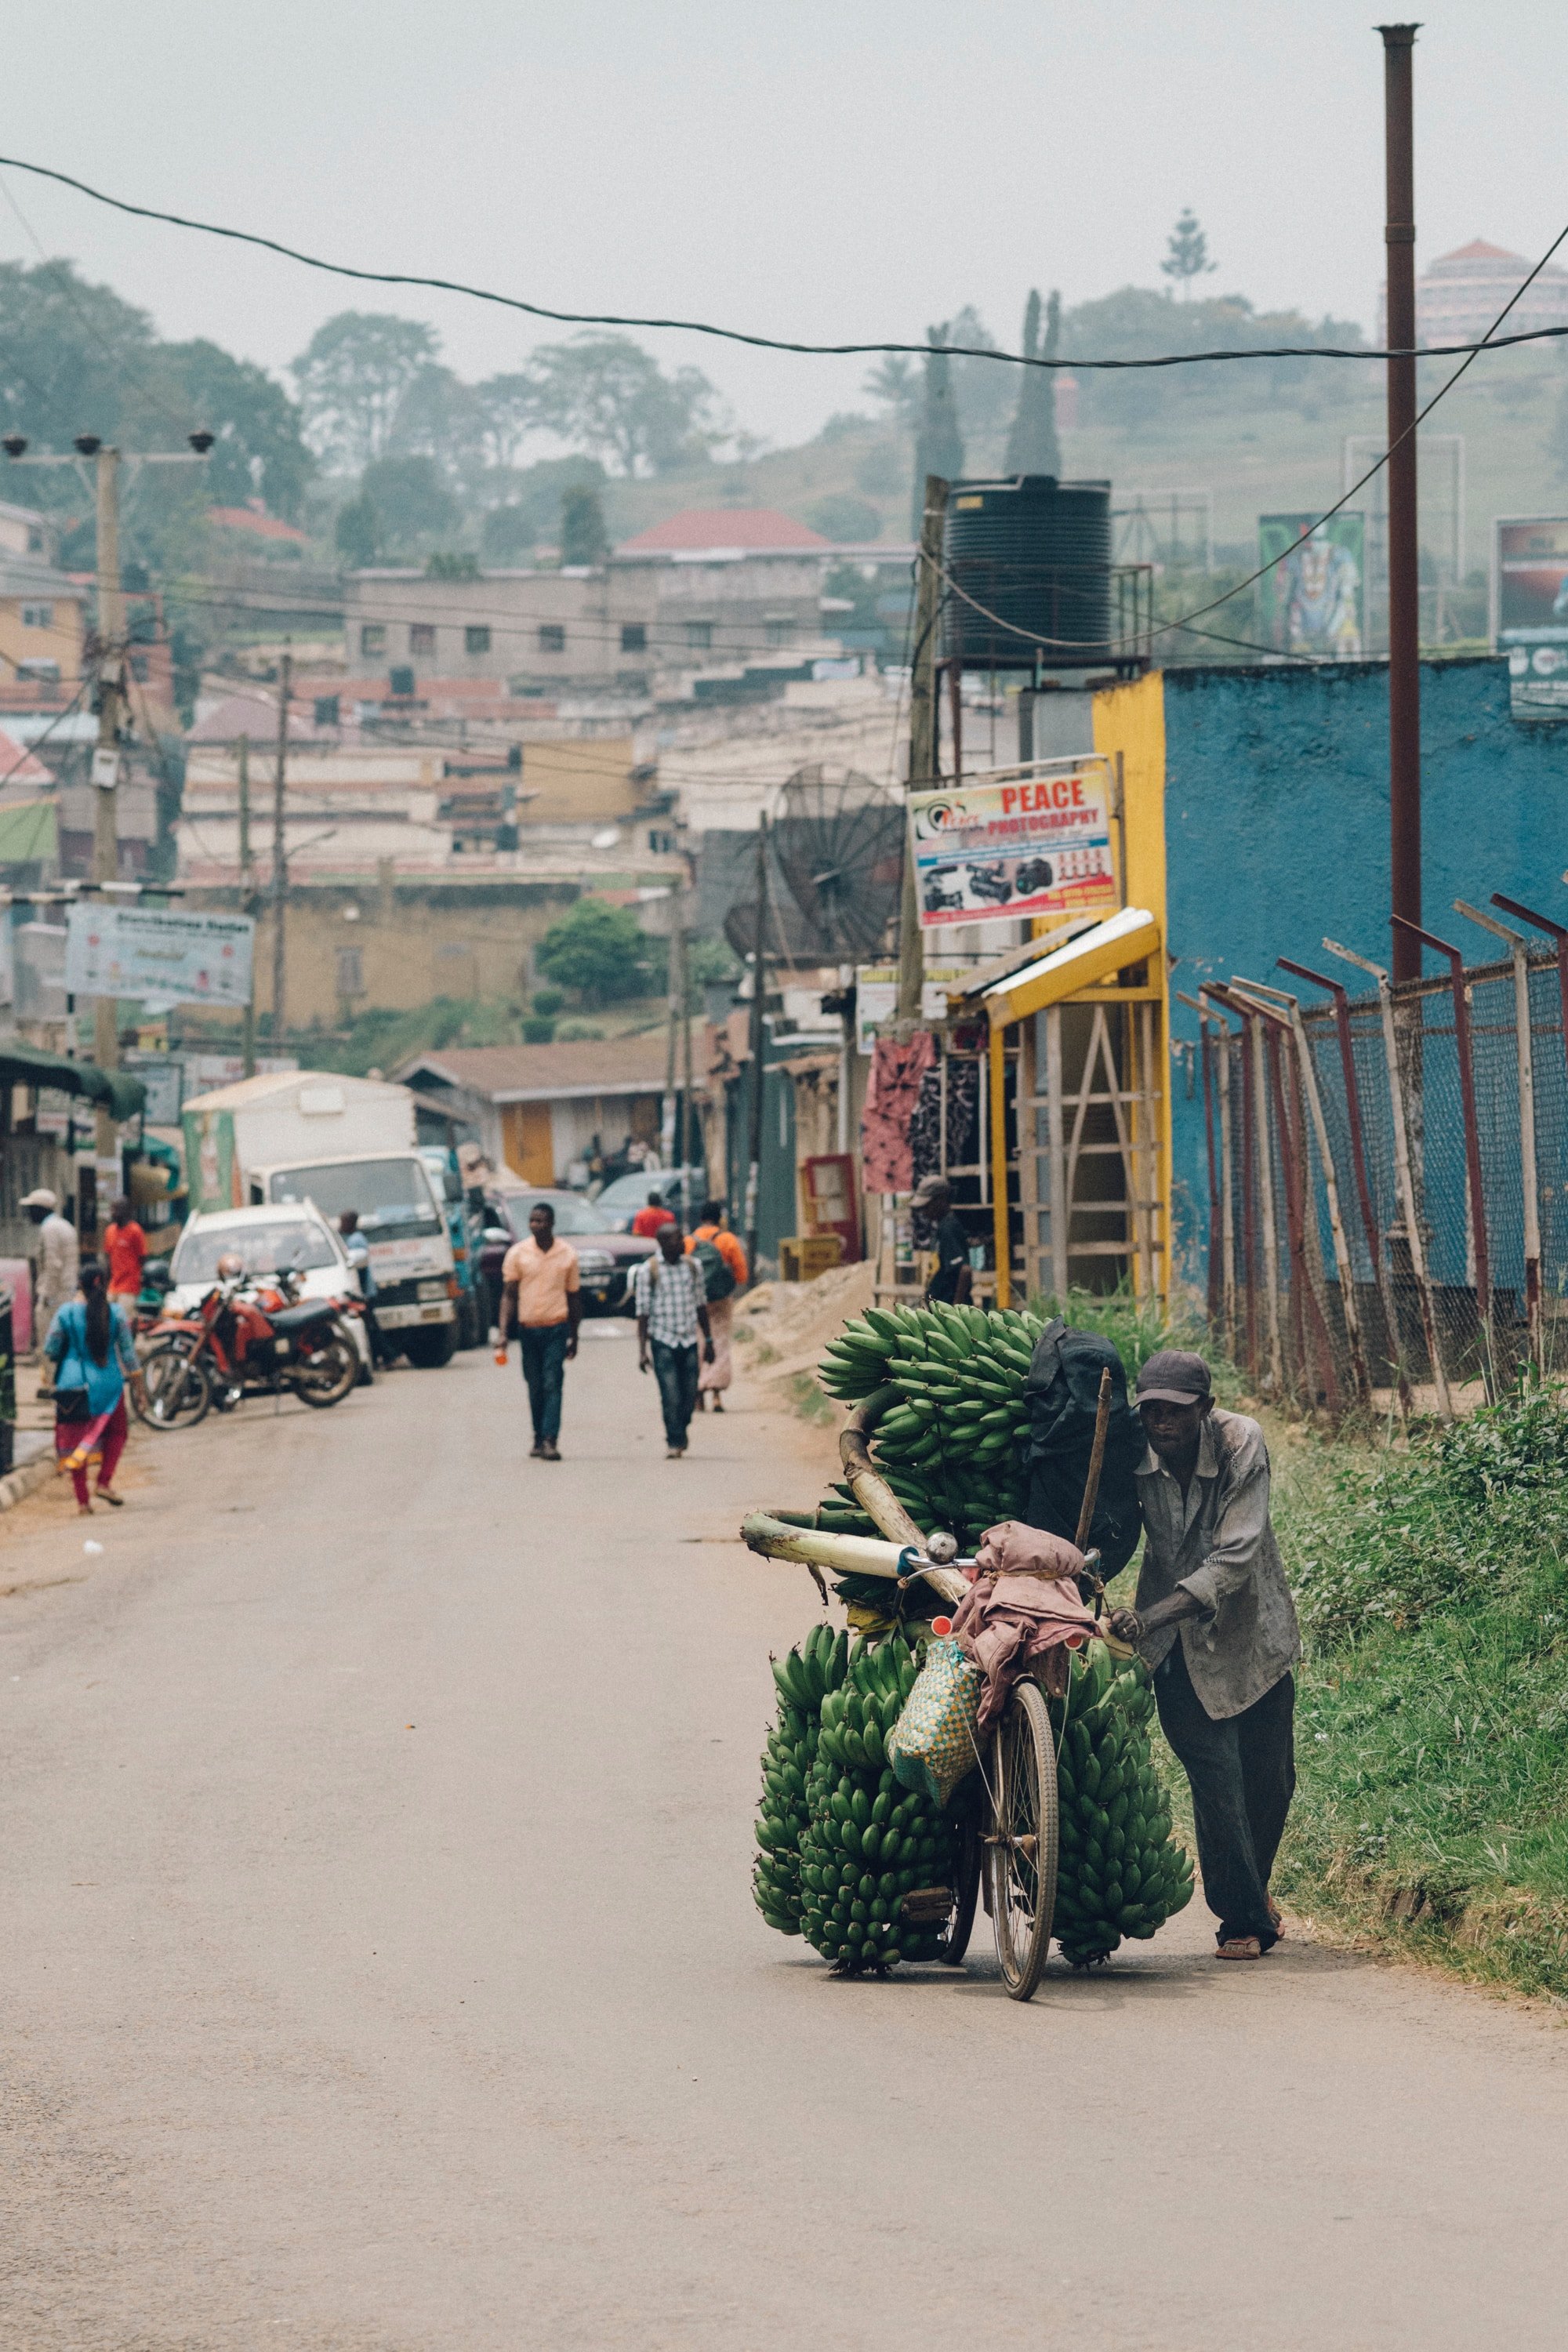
827, 168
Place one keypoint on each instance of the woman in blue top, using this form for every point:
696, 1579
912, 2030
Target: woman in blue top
90, 1347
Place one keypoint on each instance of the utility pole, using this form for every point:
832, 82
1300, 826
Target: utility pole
924, 723
106, 764
759, 990
280, 858
686, 1155
1403, 571
247, 897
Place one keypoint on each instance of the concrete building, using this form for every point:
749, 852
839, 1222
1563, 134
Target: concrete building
41, 624
537, 1109
1459, 297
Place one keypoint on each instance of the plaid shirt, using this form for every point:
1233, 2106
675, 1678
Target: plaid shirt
669, 1297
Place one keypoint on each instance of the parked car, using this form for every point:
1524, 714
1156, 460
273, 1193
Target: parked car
605, 1258
684, 1189
272, 1240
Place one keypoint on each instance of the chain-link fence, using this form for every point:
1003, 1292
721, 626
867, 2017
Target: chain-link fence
1388, 1180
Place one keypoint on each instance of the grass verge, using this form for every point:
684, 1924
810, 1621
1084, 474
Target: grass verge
1432, 1729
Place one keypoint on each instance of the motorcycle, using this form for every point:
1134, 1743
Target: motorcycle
247, 1339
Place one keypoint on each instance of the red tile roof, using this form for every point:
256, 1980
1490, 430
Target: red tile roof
1479, 250
18, 765
756, 530
260, 526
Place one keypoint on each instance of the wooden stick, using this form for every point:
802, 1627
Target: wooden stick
1095, 1459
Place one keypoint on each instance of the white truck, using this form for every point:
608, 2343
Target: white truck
343, 1143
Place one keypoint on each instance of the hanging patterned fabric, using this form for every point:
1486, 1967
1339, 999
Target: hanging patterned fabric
892, 1098
962, 1115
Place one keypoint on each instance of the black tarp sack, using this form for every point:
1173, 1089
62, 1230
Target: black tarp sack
1063, 1393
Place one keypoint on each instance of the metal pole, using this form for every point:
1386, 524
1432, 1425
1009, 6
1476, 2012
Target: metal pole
759, 988
1313, 1093
1404, 569
688, 1115
1407, 1201
1205, 1049
922, 733
1266, 1193
247, 898
1473, 1186
106, 799
1055, 1146
1518, 948
280, 861
955, 714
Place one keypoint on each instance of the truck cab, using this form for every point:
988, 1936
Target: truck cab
406, 1231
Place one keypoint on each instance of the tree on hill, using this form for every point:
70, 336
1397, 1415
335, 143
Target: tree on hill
598, 951
412, 502
259, 451
607, 395
939, 447
584, 537
1032, 445
356, 533
1187, 253
352, 374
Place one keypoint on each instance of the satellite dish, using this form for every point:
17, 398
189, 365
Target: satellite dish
839, 839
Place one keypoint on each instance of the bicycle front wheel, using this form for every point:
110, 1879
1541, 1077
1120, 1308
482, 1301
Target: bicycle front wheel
1021, 1844
176, 1392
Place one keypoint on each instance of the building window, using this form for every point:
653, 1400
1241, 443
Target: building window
41, 672
351, 972
476, 640
422, 638
780, 633
373, 639
37, 616
551, 637
699, 636
661, 844
326, 706
634, 637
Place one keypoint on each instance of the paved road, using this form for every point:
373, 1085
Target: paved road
379, 1969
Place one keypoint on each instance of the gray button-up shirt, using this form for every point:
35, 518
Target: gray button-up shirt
1216, 1542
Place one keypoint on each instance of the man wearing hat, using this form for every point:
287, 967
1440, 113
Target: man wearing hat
58, 1271
952, 1279
1215, 1622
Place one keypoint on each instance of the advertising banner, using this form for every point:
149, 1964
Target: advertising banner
1314, 600
161, 957
1529, 610
998, 848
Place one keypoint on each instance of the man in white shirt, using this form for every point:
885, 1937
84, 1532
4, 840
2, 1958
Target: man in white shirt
59, 1268
670, 1300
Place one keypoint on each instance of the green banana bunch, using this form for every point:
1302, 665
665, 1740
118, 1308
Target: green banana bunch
869, 1843
1119, 1872
805, 1677
950, 1448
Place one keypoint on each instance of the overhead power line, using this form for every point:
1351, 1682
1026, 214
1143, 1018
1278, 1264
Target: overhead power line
759, 342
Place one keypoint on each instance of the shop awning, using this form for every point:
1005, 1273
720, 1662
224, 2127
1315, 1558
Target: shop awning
30, 1066
1128, 938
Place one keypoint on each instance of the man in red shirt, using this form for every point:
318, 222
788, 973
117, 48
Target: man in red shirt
125, 1245
647, 1222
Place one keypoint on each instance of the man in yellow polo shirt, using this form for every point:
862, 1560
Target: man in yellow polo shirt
540, 1292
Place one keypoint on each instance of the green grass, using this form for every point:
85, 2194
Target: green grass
1432, 1810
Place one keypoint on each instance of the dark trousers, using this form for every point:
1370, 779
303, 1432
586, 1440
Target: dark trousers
676, 1371
1243, 1776
544, 1370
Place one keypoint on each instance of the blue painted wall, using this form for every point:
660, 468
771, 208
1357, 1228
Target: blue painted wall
1276, 832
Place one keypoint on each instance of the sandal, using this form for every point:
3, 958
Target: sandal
1240, 1948
107, 1494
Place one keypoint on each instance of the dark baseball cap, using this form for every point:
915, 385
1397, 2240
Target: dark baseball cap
1175, 1376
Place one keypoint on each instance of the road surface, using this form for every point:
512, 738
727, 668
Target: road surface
379, 1970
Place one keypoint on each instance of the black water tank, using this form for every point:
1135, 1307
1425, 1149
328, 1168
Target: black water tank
1036, 552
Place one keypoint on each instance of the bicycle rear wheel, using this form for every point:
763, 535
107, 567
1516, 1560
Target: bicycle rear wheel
954, 1941
1021, 1844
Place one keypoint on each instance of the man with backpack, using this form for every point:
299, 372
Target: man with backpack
723, 1262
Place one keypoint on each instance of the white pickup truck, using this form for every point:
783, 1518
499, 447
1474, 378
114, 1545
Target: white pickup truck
405, 1230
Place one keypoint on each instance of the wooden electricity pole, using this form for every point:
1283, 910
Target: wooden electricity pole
106, 766
924, 724
688, 1154
759, 991
1403, 565
280, 860
247, 898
